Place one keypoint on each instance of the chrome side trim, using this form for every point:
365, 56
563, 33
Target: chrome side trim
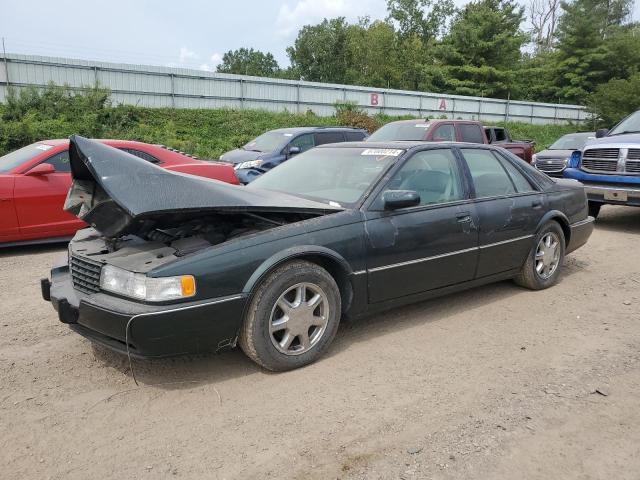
489, 245
359, 272
189, 307
586, 221
420, 260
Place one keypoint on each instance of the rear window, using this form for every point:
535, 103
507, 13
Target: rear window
400, 131
354, 136
329, 137
18, 157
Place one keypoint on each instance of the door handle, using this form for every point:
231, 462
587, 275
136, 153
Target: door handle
463, 217
536, 203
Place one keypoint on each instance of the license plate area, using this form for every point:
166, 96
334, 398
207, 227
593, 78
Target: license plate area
615, 195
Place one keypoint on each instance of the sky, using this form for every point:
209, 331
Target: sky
185, 33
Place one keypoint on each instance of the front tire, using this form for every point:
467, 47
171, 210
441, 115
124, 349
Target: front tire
292, 318
543, 265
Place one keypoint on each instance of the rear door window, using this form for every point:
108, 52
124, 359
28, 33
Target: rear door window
444, 133
329, 137
520, 181
470, 133
490, 179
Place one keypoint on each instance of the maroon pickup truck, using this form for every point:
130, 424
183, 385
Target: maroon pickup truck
452, 131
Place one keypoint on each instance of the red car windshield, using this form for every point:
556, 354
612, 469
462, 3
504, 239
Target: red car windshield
14, 159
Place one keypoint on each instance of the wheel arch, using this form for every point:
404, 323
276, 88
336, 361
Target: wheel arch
559, 217
326, 258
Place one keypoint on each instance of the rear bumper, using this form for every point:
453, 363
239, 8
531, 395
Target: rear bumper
580, 233
150, 330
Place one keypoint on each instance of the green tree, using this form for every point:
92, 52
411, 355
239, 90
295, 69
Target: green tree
249, 62
590, 35
615, 99
319, 54
481, 52
426, 19
372, 50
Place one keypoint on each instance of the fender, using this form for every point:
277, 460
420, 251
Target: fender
293, 252
557, 215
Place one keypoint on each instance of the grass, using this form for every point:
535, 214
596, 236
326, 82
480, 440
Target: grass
205, 133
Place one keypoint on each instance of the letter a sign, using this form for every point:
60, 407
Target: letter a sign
374, 99
442, 105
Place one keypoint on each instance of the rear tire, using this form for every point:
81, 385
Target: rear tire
292, 318
543, 265
594, 209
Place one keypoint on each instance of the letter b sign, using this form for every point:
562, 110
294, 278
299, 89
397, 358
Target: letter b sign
374, 99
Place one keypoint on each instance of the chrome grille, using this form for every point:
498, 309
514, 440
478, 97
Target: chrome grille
633, 160
633, 166
85, 274
550, 165
601, 160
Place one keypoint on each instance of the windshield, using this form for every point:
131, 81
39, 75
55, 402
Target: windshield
631, 124
18, 157
399, 131
332, 174
573, 141
268, 142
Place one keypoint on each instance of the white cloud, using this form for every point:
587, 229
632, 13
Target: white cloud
216, 59
187, 55
293, 16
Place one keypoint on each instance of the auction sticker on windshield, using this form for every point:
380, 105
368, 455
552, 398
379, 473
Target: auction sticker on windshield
381, 152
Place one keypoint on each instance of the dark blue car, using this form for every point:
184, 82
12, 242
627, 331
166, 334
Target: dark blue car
276, 146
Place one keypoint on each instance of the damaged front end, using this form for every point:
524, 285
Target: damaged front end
146, 220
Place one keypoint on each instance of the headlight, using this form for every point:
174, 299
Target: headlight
534, 159
141, 287
251, 164
574, 159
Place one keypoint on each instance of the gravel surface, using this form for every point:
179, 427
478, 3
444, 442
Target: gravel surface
496, 382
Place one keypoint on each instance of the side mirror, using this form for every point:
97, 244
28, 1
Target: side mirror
602, 132
394, 199
41, 169
293, 150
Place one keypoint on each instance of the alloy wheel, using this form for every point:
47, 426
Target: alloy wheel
548, 255
299, 319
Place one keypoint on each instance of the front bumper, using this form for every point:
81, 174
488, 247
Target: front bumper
615, 195
608, 188
150, 330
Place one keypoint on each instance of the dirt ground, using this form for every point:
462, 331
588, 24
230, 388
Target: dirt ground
492, 383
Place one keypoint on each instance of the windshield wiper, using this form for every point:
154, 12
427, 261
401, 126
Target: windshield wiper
251, 150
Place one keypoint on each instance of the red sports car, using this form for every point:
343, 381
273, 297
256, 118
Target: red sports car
34, 181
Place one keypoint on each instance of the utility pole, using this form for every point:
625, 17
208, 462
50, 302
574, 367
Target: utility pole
6, 67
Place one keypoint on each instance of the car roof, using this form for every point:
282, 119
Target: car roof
406, 145
315, 129
65, 141
431, 120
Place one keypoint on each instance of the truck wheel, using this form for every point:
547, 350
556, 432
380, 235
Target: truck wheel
594, 209
293, 317
543, 265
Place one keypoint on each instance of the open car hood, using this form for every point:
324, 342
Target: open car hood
118, 193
